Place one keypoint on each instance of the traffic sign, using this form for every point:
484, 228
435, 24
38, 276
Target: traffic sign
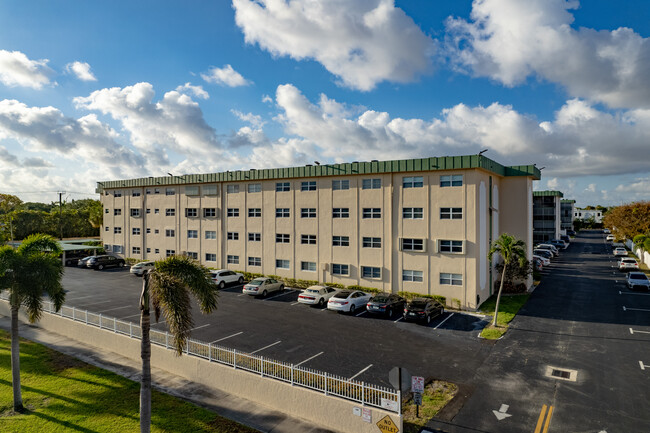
417, 384
417, 398
386, 425
400, 378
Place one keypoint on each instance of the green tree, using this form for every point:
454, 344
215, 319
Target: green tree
29, 272
639, 242
168, 288
511, 250
628, 220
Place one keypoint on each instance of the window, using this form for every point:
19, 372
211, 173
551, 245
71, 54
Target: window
254, 212
413, 182
282, 186
135, 231
254, 187
118, 194
135, 250
232, 260
452, 279
106, 211
148, 249
415, 276
117, 249
148, 230
192, 255
192, 190
117, 230
209, 212
191, 212
340, 241
233, 212
156, 211
136, 193
192, 234
308, 239
338, 269
232, 236
156, 191
341, 212
371, 242
117, 212
371, 184
412, 244
371, 212
282, 238
451, 180
282, 264
412, 213
254, 261
254, 237
148, 210
451, 213
232, 189
308, 186
210, 234
107, 228
170, 233
340, 184
170, 253
170, 212
107, 247
308, 212
170, 191
370, 272
157, 251
156, 231
210, 190
282, 212
445, 246
308, 266
210, 257
148, 191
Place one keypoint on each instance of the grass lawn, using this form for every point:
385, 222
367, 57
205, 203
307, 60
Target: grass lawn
508, 308
435, 396
63, 394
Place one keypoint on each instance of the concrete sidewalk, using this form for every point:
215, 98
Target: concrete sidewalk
235, 408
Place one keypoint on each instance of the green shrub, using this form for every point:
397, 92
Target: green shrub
373, 290
131, 261
412, 295
335, 285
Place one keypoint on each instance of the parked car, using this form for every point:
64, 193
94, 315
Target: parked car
544, 260
263, 286
637, 280
610, 238
620, 251
105, 261
72, 257
348, 300
566, 238
552, 248
559, 244
224, 276
316, 295
538, 264
140, 268
628, 264
386, 305
571, 232
83, 263
422, 310
606, 231
543, 253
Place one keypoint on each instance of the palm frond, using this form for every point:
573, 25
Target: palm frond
195, 277
170, 296
39, 243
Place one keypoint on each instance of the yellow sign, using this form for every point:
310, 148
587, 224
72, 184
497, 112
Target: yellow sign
386, 425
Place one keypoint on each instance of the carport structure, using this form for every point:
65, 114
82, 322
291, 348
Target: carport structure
70, 245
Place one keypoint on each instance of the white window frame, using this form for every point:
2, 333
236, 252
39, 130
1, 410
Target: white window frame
308, 212
191, 212
342, 269
371, 213
282, 186
451, 279
373, 271
413, 213
449, 180
412, 276
410, 244
170, 233
308, 239
308, 266
451, 213
210, 257
254, 212
413, 182
232, 236
309, 185
170, 212
254, 237
192, 234
254, 187
209, 212
232, 212
210, 234
282, 238
232, 260
370, 242
254, 261
340, 185
232, 188
210, 190
341, 212
340, 241
280, 264
373, 183
283, 212
449, 246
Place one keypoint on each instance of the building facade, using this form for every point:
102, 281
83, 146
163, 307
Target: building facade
419, 225
546, 215
566, 214
586, 214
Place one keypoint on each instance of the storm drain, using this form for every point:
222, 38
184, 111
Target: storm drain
561, 373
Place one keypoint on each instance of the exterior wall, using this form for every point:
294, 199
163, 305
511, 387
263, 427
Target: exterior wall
566, 216
515, 219
546, 218
585, 214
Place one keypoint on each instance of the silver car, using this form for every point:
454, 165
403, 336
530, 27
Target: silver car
140, 268
263, 286
637, 280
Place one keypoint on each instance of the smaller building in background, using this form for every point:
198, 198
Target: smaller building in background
566, 214
546, 215
587, 214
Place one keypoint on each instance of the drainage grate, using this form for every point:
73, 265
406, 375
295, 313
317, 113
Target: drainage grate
560, 373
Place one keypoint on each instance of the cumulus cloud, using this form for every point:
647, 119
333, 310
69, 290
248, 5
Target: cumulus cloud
81, 70
17, 70
510, 40
363, 43
225, 76
251, 118
194, 90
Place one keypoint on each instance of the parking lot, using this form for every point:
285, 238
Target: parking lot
360, 346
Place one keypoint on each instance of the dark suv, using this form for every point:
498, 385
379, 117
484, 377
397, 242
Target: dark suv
422, 310
101, 262
386, 305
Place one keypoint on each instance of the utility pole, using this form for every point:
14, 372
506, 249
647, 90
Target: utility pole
60, 217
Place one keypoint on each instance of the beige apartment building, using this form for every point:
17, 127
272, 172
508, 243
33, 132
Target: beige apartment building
418, 225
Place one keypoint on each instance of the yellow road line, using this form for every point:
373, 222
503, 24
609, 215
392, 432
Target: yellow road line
540, 420
548, 419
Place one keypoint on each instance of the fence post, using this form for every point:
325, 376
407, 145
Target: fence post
234, 358
86, 316
262, 366
326, 387
73, 309
166, 340
363, 395
130, 329
100, 320
399, 402
114, 325
50, 308
210, 352
187, 346
292, 374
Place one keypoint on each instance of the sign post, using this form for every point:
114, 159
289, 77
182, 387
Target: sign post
417, 386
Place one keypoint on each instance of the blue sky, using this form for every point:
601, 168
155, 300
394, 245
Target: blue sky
93, 91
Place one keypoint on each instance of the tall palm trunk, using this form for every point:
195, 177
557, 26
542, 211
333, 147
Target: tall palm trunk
145, 354
496, 307
15, 357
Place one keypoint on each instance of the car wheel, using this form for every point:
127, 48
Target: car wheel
428, 319
121, 264
321, 302
240, 280
389, 313
281, 287
264, 293
352, 307
68, 263
100, 267
222, 285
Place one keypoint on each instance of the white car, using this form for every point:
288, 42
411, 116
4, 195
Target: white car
316, 295
544, 260
637, 280
610, 238
263, 286
628, 264
140, 268
620, 251
224, 276
549, 247
348, 300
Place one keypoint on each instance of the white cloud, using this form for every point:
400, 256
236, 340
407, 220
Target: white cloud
639, 189
194, 90
17, 70
251, 118
225, 76
361, 42
81, 70
552, 184
591, 187
267, 99
510, 40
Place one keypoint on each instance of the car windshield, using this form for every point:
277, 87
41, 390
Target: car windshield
256, 283
380, 298
418, 304
342, 295
638, 277
312, 291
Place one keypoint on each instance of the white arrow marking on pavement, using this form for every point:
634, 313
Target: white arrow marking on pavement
501, 413
634, 309
642, 365
632, 331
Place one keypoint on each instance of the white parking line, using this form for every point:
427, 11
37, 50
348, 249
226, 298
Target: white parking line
230, 336
642, 365
95, 303
266, 347
632, 293
363, 312
447, 318
134, 315
199, 327
243, 294
308, 359
632, 331
360, 372
399, 318
80, 297
634, 309
295, 303
281, 294
118, 308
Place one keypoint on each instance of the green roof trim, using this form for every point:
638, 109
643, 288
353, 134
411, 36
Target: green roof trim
567, 201
343, 169
548, 194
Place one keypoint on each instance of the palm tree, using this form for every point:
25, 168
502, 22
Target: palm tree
510, 249
29, 272
639, 242
168, 287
